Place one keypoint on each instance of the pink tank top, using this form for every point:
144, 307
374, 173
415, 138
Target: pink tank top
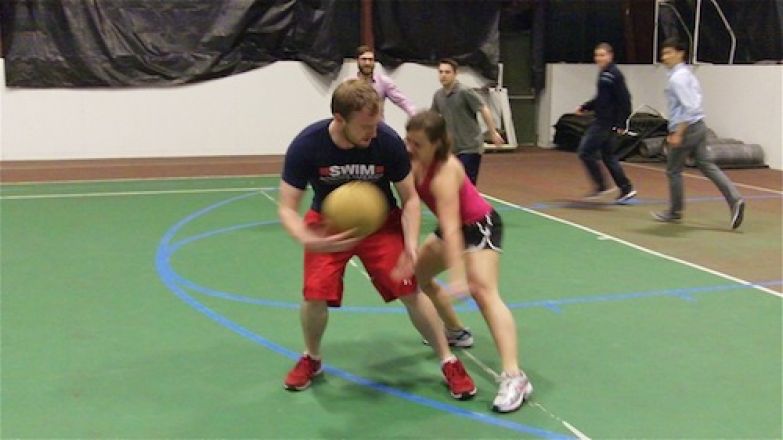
472, 207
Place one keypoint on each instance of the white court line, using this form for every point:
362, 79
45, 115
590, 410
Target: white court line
605, 236
142, 179
266, 194
579, 434
695, 176
359, 268
480, 364
129, 193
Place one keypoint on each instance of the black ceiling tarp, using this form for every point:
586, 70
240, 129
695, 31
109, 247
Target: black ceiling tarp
573, 27
83, 43
94, 43
757, 25
426, 31
759, 29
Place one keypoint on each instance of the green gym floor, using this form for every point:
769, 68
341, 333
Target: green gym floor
168, 309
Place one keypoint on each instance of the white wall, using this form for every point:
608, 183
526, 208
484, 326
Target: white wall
746, 103
742, 102
260, 111
257, 112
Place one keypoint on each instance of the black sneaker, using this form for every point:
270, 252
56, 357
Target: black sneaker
737, 213
462, 338
623, 198
666, 217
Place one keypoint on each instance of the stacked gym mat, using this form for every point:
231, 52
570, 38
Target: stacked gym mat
647, 142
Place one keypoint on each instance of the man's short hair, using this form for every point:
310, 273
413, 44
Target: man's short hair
604, 46
451, 62
354, 95
363, 49
675, 44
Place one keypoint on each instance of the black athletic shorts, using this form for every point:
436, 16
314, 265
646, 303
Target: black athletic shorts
486, 233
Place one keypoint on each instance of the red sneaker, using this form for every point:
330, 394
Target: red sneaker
302, 374
458, 380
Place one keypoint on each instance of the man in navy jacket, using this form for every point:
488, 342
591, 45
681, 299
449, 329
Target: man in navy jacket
612, 106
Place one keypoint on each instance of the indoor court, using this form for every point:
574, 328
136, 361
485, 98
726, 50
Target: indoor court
160, 279
167, 308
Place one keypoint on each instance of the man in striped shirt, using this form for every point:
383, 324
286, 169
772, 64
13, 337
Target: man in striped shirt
688, 136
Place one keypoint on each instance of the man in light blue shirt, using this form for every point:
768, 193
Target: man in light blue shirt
688, 136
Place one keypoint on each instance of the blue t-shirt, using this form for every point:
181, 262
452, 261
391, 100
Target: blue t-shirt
314, 158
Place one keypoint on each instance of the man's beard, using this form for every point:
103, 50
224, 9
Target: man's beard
367, 71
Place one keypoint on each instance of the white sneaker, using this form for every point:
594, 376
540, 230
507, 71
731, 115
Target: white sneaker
513, 391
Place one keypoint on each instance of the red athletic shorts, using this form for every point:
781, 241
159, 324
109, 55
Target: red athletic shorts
379, 252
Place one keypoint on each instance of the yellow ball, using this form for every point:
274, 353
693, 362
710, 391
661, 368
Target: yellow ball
355, 205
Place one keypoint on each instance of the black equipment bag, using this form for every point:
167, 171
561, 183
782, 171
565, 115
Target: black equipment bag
569, 130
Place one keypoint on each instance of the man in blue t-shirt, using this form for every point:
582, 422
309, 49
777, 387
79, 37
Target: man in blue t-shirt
355, 145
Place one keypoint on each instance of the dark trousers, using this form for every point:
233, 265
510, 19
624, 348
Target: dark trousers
601, 141
471, 162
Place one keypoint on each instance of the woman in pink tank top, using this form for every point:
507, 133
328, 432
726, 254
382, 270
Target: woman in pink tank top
467, 243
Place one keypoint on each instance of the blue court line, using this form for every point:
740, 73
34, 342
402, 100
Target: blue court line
162, 264
683, 293
468, 306
173, 248
179, 244
542, 206
554, 305
345, 375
